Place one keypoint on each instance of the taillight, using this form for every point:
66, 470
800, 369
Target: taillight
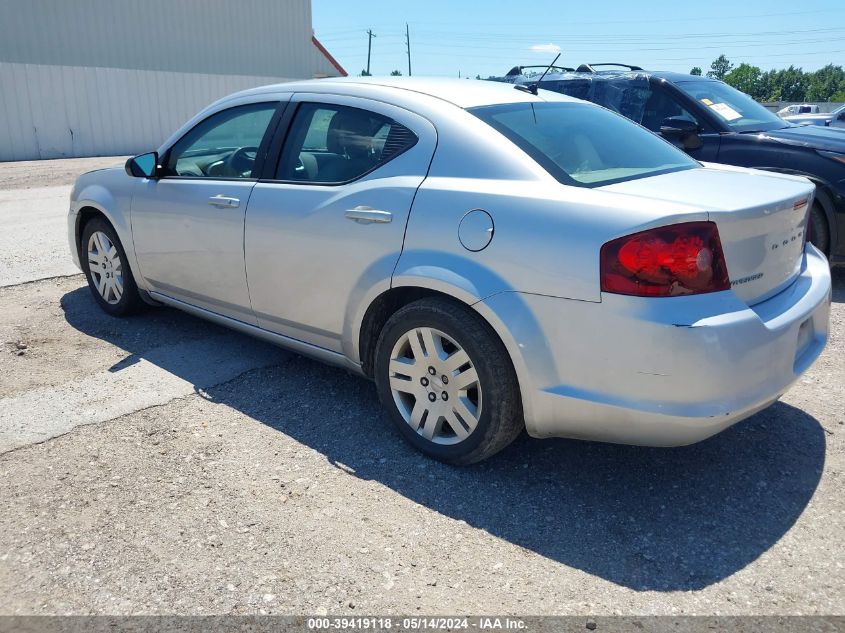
680, 259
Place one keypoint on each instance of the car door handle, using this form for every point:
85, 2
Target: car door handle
224, 202
367, 215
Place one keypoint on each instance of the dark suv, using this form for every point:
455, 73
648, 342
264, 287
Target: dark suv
714, 122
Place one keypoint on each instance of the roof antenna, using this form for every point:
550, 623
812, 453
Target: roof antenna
533, 88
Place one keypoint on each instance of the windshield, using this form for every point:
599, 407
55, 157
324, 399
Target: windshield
583, 144
735, 108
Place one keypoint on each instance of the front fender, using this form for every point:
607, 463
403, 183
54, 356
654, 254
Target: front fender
115, 206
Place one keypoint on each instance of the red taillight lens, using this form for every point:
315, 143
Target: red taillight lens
680, 259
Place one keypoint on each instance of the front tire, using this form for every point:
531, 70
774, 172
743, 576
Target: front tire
447, 382
107, 269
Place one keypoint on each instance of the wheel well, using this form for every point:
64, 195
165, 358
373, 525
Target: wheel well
86, 214
380, 310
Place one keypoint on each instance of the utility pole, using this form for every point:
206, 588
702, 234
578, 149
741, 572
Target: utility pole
408, 44
369, 47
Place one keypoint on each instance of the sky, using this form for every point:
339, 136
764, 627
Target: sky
489, 38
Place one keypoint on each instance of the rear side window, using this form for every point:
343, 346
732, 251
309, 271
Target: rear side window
584, 145
634, 98
335, 144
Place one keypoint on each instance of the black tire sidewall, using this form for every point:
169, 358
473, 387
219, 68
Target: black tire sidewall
819, 233
407, 319
129, 300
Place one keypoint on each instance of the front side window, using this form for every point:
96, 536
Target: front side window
225, 145
335, 144
581, 144
737, 109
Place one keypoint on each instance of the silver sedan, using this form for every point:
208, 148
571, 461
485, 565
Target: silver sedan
495, 259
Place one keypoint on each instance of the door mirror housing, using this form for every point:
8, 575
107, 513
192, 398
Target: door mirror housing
143, 165
682, 132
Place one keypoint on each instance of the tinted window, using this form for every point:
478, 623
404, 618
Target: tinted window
582, 144
224, 145
735, 108
332, 144
633, 98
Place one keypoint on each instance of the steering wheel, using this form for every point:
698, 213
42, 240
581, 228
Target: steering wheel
241, 161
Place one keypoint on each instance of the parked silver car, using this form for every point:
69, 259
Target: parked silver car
798, 108
494, 259
834, 119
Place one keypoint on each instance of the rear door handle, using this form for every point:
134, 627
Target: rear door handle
368, 215
224, 202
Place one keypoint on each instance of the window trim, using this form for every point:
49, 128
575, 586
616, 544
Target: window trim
283, 138
263, 147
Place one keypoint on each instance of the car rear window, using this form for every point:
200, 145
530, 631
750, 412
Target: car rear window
582, 144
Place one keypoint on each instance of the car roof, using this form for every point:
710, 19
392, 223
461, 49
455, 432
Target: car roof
464, 93
619, 74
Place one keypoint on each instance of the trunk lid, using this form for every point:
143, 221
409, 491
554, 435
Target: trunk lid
761, 217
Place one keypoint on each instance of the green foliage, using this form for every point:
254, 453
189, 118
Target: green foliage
720, 67
695, 71
745, 78
786, 84
364, 73
396, 73
825, 83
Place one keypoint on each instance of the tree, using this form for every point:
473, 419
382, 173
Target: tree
745, 78
396, 73
823, 84
792, 84
695, 71
768, 88
720, 67
364, 73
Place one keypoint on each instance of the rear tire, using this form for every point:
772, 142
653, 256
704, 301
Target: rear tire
819, 231
107, 269
447, 382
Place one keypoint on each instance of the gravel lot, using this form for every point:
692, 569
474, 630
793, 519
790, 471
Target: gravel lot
161, 464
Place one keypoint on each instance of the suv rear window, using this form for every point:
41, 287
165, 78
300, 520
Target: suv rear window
584, 145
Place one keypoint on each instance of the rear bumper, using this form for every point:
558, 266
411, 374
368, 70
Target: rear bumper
662, 372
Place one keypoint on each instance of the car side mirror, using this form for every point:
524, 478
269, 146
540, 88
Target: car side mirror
143, 166
682, 132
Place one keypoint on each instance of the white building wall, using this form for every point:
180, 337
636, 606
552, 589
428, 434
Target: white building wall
62, 111
100, 77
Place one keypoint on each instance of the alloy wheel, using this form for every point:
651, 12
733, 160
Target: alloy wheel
435, 386
105, 267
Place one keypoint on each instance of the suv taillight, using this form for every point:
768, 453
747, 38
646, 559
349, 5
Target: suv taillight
680, 259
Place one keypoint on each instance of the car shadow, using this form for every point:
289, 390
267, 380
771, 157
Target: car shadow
647, 519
